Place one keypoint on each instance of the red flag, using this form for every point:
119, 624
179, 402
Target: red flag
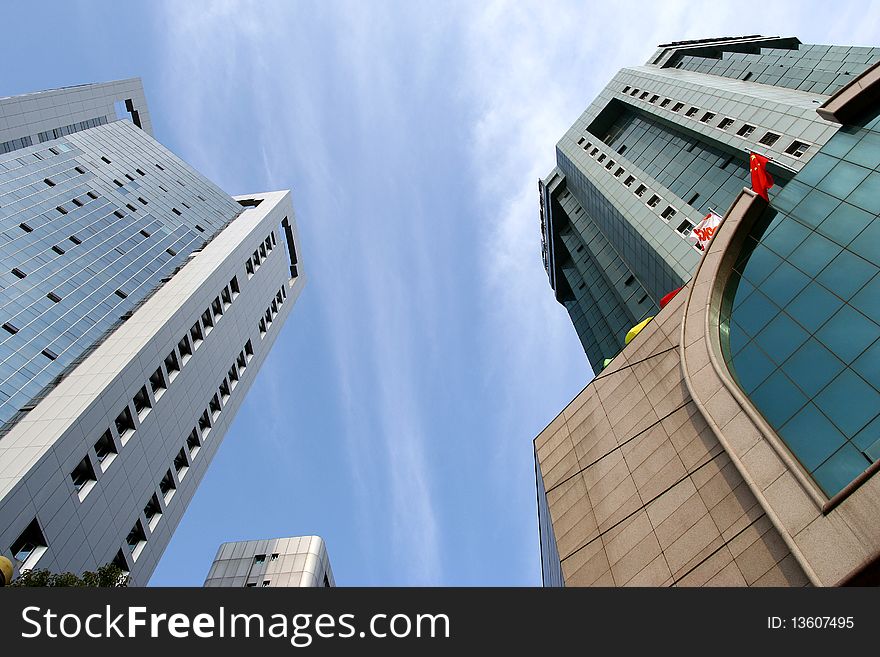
761, 180
667, 298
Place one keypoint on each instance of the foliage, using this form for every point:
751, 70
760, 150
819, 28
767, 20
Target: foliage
108, 575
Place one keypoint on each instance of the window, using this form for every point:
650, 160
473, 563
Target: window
11, 328
260, 558
136, 540
92, 195
79, 170
708, 116
224, 391
142, 201
195, 333
249, 267
609, 165
633, 92
129, 176
124, 425
184, 347
640, 190
214, 405
170, 251
53, 297
105, 159
83, 477
265, 582
643, 95
626, 88
208, 321
665, 102
120, 562
262, 326
629, 181
685, 227
153, 512
105, 450
118, 183
226, 297
57, 249
171, 365
621, 148
30, 546
274, 556
176, 211
232, 375
120, 294
75, 239
204, 424
77, 203
797, 149
694, 198
747, 76
692, 111
725, 123
241, 361
677, 107
157, 383
145, 233
593, 152
629, 281
654, 98
233, 285
181, 465
769, 139
18, 272
581, 141
217, 308
193, 444
25, 227
48, 353
654, 201
248, 350
601, 158
167, 487
667, 213
140, 173
250, 585
745, 131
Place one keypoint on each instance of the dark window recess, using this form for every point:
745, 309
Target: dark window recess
48, 182
170, 251
10, 328
200, 229
630, 280
25, 227
120, 294
291, 248
180, 462
105, 159
580, 248
581, 286
120, 562
18, 272
142, 400
167, 484
232, 374
171, 364
195, 333
53, 297
79, 170
643, 299
214, 405
727, 162
152, 509
124, 422
131, 207
183, 347
83, 473
241, 361
694, 198
217, 307
621, 149
119, 213
140, 173
118, 183
145, 233
747, 76
160, 167
725, 123
226, 296
30, 540
77, 203
769, 139
129, 176
105, 446
207, 320
684, 227
135, 537
233, 285
797, 148
176, 211
192, 443
92, 195
48, 353
746, 130
142, 201
61, 209
204, 422
248, 349
75, 239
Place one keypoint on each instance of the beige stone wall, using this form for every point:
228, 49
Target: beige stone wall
641, 493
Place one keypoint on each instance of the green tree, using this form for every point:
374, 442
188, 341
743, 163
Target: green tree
107, 576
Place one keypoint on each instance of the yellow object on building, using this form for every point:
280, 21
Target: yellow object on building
635, 330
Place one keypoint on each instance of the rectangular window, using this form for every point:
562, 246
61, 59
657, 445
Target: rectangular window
124, 425
797, 148
665, 102
581, 141
195, 333
19, 273
181, 465
653, 98
224, 391
29, 546
136, 540
692, 111
193, 444
233, 285
226, 297
233, 377
745, 130
262, 326
685, 227
634, 92
593, 152
629, 181
176, 211
248, 350
677, 107
725, 123
11, 328
171, 365
157, 383
654, 201
626, 88
77, 203
214, 406
53, 297
260, 558
249, 267
204, 424
75, 239
83, 477
217, 308
609, 165
167, 487
153, 512
643, 95
48, 353
769, 139
667, 213
207, 321
25, 227
57, 249
601, 158
120, 294
105, 449
640, 190
708, 116
241, 361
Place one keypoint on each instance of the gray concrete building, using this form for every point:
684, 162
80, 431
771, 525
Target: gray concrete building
663, 144
299, 561
735, 441
137, 302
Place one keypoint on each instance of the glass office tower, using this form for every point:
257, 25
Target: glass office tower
127, 276
662, 145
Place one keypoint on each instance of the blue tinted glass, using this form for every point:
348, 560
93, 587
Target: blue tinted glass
811, 436
785, 236
845, 223
778, 398
781, 337
867, 151
846, 274
738, 337
840, 469
867, 244
815, 207
868, 299
812, 367
816, 169
761, 263
848, 333
868, 364
866, 194
755, 312
784, 283
812, 307
869, 436
814, 254
752, 366
843, 179
849, 402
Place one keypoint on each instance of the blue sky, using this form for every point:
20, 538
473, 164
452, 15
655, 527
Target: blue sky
396, 413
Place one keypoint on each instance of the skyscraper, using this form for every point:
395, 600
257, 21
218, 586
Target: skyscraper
662, 145
299, 561
138, 302
736, 439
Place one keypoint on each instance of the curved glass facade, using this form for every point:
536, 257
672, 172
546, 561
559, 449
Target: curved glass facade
800, 324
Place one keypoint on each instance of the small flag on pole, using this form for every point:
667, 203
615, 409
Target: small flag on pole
702, 233
761, 180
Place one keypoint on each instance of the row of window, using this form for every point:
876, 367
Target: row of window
654, 201
272, 310
795, 149
137, 537
260, 253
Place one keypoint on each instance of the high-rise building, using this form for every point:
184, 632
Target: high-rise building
662, 145
299, 561
137, 302
736, 439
